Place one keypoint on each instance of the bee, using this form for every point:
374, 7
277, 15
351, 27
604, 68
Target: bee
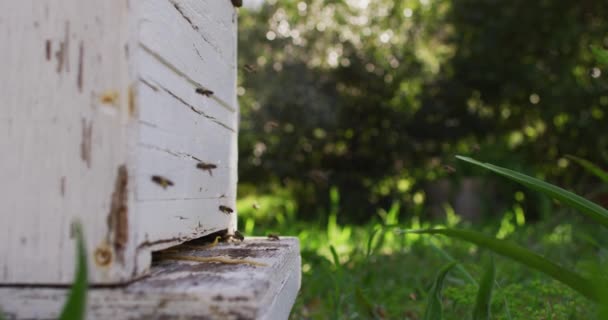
205, 92
448, 168
237, 3
226, 210
250, 68
162, 181
273, 237
206, 167
232, 237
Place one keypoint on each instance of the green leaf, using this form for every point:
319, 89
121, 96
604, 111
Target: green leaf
601, 55
460, 268
365, 304
590, 167
586, 207
523, 256
75, 307
334, 255
370, 241
484, 293
434, 310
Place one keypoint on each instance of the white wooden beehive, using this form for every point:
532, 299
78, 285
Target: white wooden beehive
98, 98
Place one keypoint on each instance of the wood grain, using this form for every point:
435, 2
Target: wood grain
98, 97
186, 289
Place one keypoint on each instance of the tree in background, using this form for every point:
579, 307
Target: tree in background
373, 96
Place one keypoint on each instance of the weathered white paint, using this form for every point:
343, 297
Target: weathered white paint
185, 289
98, 97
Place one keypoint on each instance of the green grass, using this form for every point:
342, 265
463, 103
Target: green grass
376, 272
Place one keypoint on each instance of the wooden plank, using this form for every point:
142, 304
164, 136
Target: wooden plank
166, 28
185, 289
164, 223
98, 97
187, 181
61, 134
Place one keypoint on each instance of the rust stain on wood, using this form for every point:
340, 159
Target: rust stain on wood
103, 255
132, 105
62, 55
80, 66
109, 97
118, 219
86, 142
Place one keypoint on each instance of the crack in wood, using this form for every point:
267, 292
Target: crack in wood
178, 72
195, 110
181, 12
195, 27
173, 153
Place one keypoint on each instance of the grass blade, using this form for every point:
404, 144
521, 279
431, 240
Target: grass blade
434, 310
484, 294
586, 207
523, 256
365, 304
75, 307
590, 167
370, 241
460, 267
334, 255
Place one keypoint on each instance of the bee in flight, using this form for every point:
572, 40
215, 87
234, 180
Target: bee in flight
162, 181
206, 167
226, 210
205, 92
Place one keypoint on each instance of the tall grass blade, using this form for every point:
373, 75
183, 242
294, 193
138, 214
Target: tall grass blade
370, 242
365, 304
523, 256
75, 307
601, 55
586, 207
484, 293
434, 309
459, 266
590, 167
334, 255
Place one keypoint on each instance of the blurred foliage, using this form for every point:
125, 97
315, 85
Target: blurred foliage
373, 97
352, 271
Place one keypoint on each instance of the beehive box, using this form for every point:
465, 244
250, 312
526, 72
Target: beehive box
121, 115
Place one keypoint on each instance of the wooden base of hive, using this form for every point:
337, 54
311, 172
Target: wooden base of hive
182, 289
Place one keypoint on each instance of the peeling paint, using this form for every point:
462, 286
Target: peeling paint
62, 186
47, 49
62, 55
86, 142
132, 101
80, 66
118, 219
